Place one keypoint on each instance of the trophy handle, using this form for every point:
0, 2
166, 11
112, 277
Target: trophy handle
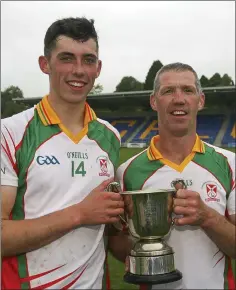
115, 187
172, 222
123, 220
181, 182
182, 185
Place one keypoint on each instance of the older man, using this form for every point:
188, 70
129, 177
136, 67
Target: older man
203, 237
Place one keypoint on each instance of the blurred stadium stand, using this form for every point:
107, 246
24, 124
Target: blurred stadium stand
229, 139
131, 114
208, 127
126, 126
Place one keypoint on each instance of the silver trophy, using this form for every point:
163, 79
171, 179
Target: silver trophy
151, 260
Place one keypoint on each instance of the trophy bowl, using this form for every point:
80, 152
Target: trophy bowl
149, 220
151, 213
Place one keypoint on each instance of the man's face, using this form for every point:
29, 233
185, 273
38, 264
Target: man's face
177, 102
72, 68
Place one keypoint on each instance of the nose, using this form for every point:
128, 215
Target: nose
78, 69
179, 97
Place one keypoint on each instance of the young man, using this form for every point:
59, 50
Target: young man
57, 160
203, 237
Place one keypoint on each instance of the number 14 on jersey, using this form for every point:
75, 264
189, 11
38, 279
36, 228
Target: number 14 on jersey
77, 168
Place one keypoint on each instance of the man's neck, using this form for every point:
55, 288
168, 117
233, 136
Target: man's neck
71, 115
175, 149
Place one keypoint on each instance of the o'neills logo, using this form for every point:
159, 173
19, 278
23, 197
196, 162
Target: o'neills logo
211, 189
103, 163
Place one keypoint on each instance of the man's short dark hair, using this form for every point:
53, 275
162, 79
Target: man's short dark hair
178, 67
80, 29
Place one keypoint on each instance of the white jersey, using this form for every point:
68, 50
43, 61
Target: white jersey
210, 171
52, 170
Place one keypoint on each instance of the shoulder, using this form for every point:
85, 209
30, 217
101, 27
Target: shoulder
14, 126
129, 162
227, 153
109, 127
107, 138
18, 120
220, 153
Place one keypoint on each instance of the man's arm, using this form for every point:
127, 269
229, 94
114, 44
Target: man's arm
27, 235
119, 243
21, 236
222, 232
195, 212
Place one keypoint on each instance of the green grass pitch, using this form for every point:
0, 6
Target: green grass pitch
116, 268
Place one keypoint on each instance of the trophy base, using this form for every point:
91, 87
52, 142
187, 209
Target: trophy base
153, 279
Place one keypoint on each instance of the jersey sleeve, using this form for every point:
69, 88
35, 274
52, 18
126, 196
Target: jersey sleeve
121, 172
120, 175
8, 160
231, 199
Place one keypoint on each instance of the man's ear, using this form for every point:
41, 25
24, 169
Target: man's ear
201, 102
99, 68
43, 64
153, 102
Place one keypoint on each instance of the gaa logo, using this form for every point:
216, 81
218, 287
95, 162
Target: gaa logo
103, 164
47, 160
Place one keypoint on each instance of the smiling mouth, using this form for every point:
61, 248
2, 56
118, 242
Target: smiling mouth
178, 113
76, 85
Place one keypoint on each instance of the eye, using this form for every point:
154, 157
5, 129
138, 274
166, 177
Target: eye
66, 58
188, 90
167, 91
90, 60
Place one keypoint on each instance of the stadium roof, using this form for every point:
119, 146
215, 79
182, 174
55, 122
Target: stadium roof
139, 100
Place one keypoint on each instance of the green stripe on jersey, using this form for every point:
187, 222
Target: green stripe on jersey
105, 269
229, 273
139, 170
35, 135
106, 139
216, 164
22, 270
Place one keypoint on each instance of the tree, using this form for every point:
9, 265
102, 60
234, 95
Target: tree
97, 89
8, 106
204, 81
215, 80
128, 84
12, 108
9, 94
13, 92
156, 66
226, 80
